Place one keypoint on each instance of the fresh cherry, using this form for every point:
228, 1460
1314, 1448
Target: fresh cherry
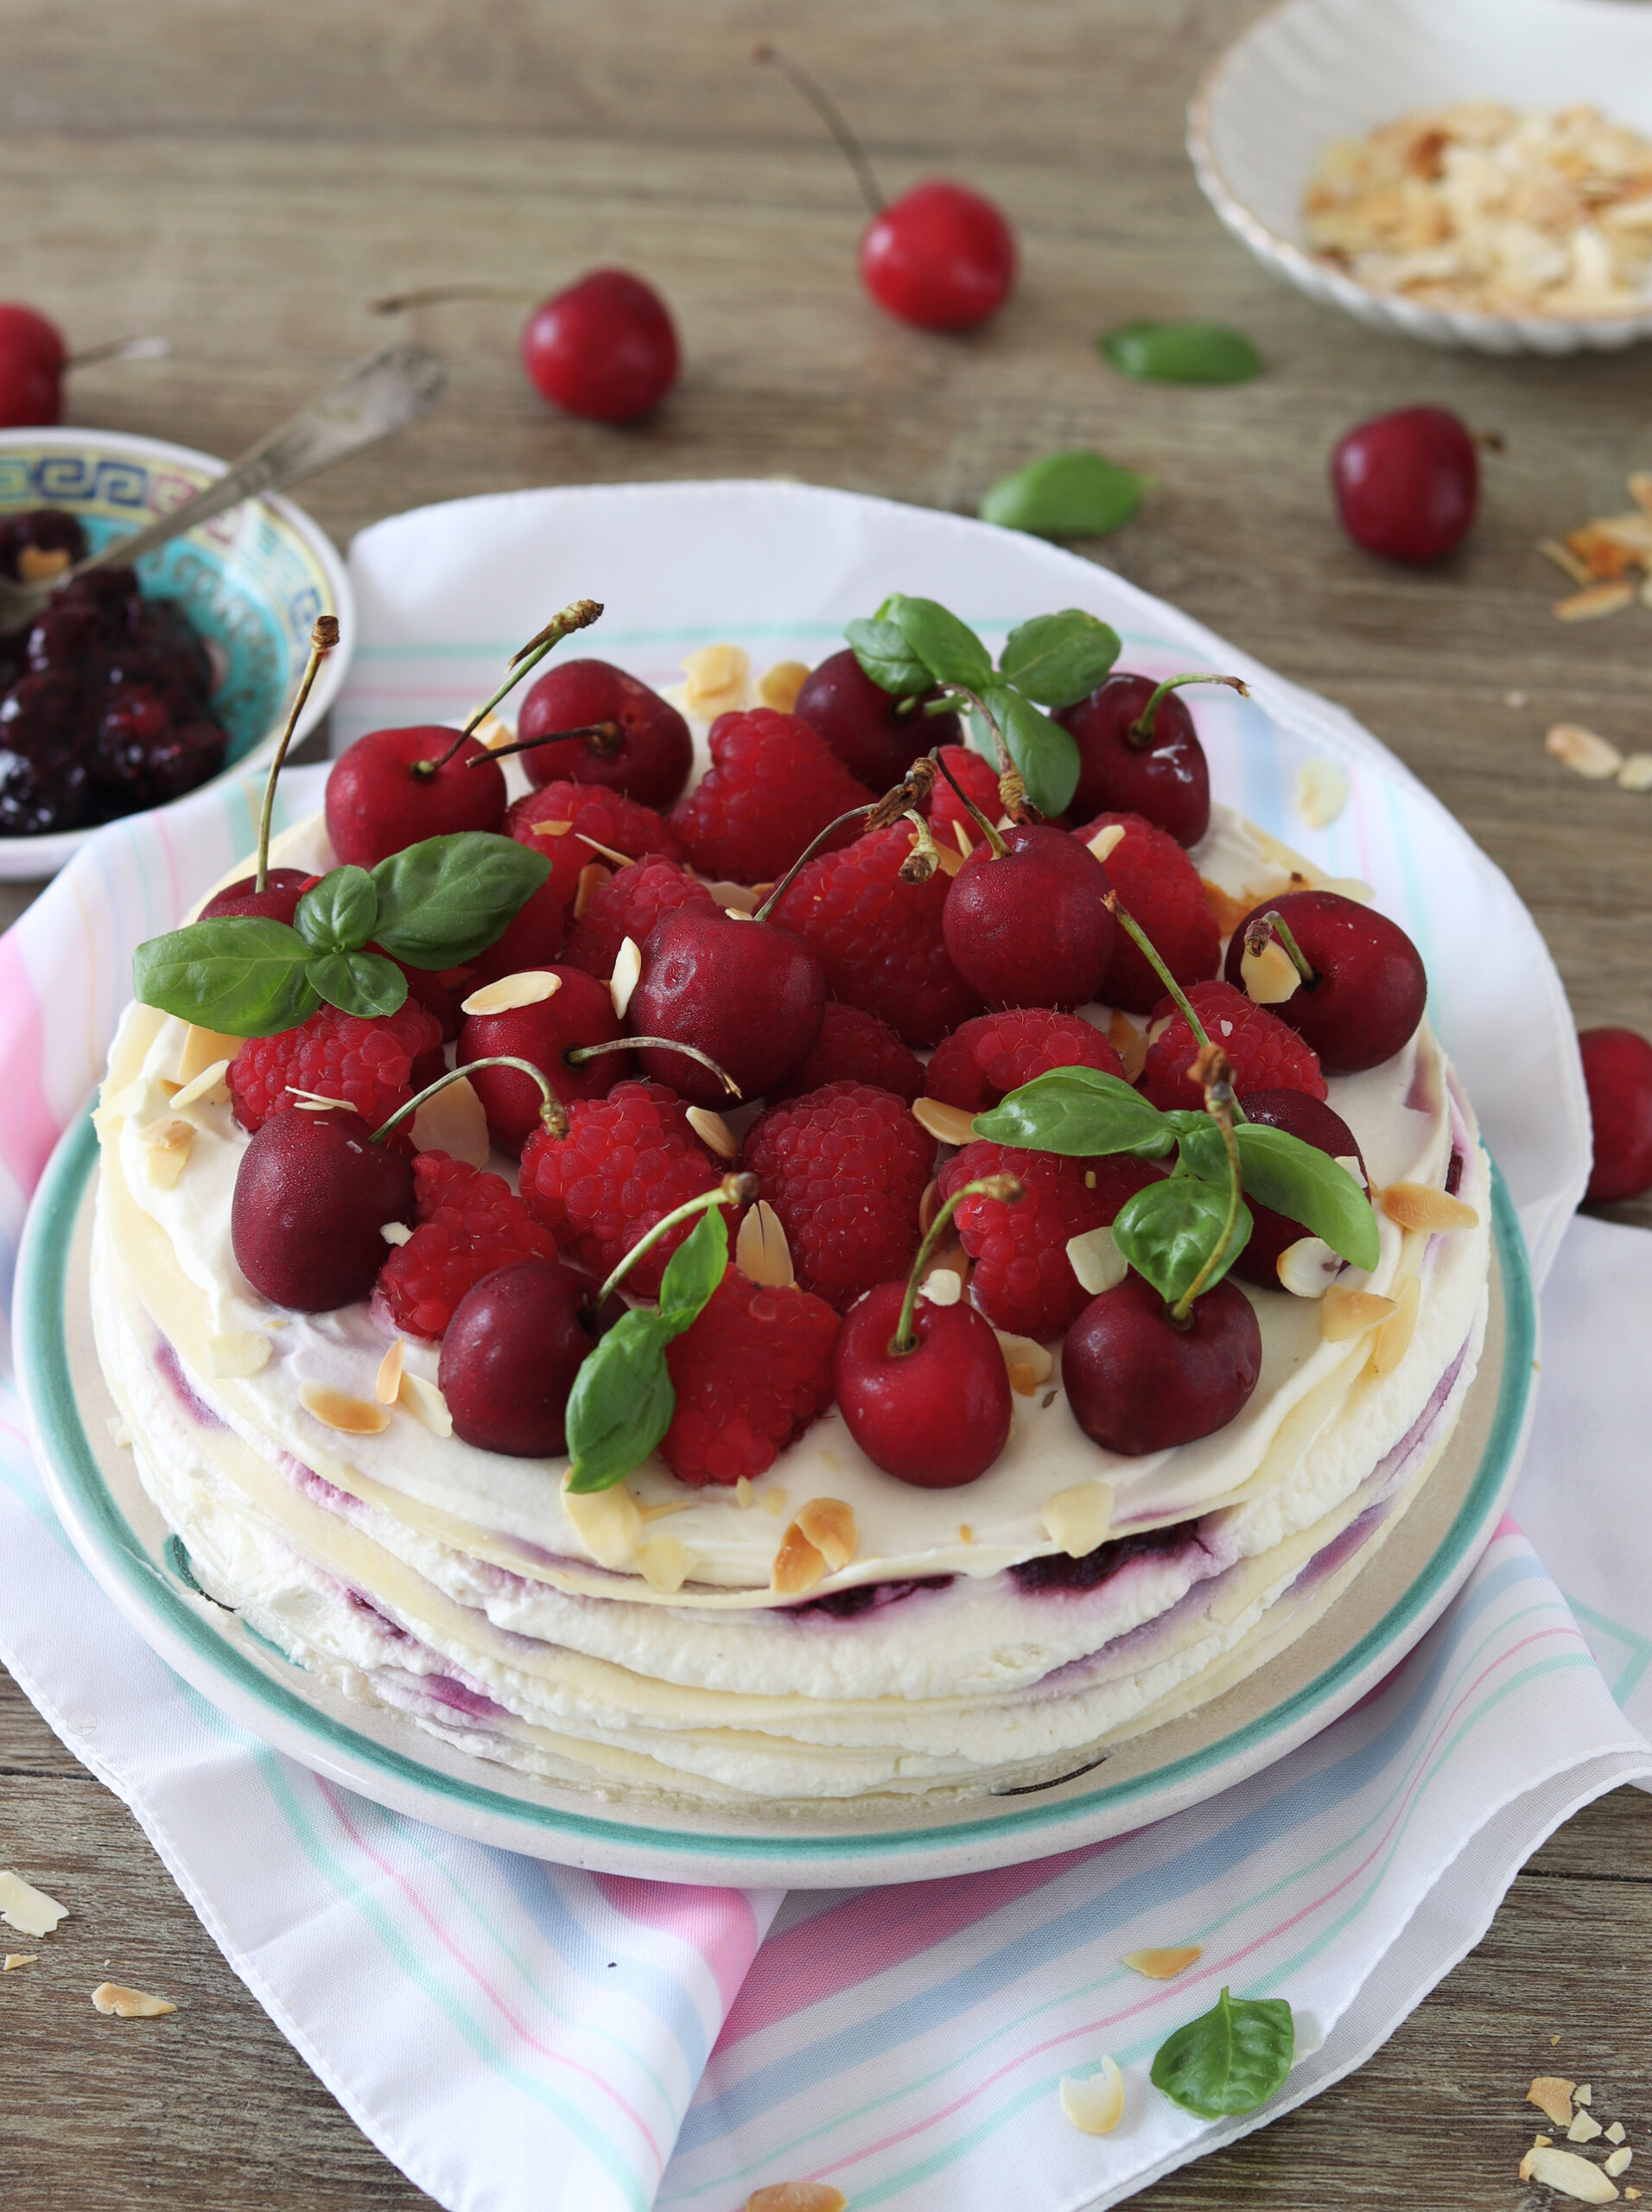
645, 750
531, 939
277, 902
749, 995
1407, 483
32, 359
510, 1355
1312, 1120
1140, 754
1138, 1382
876, 734
387, 792
312, 1195
1366, 986
1025, 921
579, 1011
941, 256
605, 349
1618, 1068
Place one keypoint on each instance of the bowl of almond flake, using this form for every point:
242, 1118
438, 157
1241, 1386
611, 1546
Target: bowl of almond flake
1468, 172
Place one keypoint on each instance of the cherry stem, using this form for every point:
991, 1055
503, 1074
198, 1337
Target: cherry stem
436, 295
577, 1055
732, 1190
1256, 937
1140, 730
1139, 937
832, 116
609, 732
999, 848
1215, 1071
120, 349
854, 814
990, 1187
551, 1112
1012, 785
578, 616
324, 635
924, 857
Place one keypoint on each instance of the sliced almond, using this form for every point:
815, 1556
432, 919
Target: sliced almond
1583, 751
1164, 1963
1394, 1337
528, 987
591, 879
1322, 789
616, 859
1572, 2176
761, 1252
1035, 1361
798, 1565
111, 1999
1269, 976
1588, 606
1564, 559
607, 1521
210, 1084
942, 1286
1229, 911
947, 1124
1616, 2131
1619, 2162
395, 1232
666, 1564
16, 1959
1107, 842
1640, 489
338, 1409
237, 1351
1345, 1312
488, 729
554, 828
712, 1130
28, 1909
1094, 2103
797, 2197
387, 1383
1583, 2129
1348, 887
738, 895
1076, 1520
744, 1493
717, 678
627, 974
1583, 2094
947, 861
961, 837
1552, 2098
778, 687
1419, 1205
966, 1534
36, 564
318, 1101
1308, 1268
454, 1122
829, 1524
425, 1402
204, 1048
1096, 1261
166, 1146
1634, 775
774, 1501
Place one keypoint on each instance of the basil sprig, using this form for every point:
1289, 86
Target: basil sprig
434, 904
1230, 2060
1194, 351
912, 646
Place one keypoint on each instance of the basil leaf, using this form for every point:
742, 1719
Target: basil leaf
1055, 660
338, 914
694, 1271
1079, 494
359, 982
1044, 752
444, 901
1306, 1185
240, 973
1168, 1231
1203, 1151
881, 648
1190, 352
1229, 2060
948, 649
621, 1402
1080, 1113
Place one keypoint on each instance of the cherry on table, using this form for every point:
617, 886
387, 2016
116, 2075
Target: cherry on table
1407, 483
645, 751
1617, 1068
749, 994
1368, 987
387, 792
876, 734
1134, 762
32, 359
312, 1194
510, 1355
1025, 923
1317, 1124
1137, 1382
604, 349
941, 256
579, 1011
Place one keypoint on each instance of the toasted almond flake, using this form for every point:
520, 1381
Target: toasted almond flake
170, 1135
417, 1395
1229, 911
774, 1501
1564, 559
1345, 1312
1107, 842
1419, 1205
966, 1534
1023, 1379
947, 861
28, 1909
1619, 2162
1572, 2176
1634, 775
1629, 2189
1322, 790
1588, 606
237, 1352
1096, 1261
1269, 976
797, 2197
36, 564
620, 860
16, 1959
1616, 2132
713, 1131
209, 1085
798, 1564
591, 879
607, 1521
761, 1252
627, 974
716, 680
1026, 1352
942, 1286
1583, 2129
1552, 2098
528, 987
454, 1122
395, 1232
778, 687
1165, 1963
122, 2004
744, 1493
489, 730
1094, 2103
1541, 2142
387, 1384
1639, 482
732, 894
339, 1410
1583, 2094
1583, 751
961, 837
829, 1524
947, 1124
317, 1102
1394, 1337
203, 1049
1135, 1056
553, 829
666, 1564
1076, 1520
1308, 1268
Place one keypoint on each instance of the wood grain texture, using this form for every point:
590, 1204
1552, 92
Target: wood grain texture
246, 180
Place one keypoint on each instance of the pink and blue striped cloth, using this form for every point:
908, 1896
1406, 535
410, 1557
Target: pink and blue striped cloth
515, 2034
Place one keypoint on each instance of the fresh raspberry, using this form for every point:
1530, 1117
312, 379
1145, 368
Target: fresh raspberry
628, 905
856, 1047
1266, 1054
845, 1168
1159, 887
468, 1224
626, 1160
998, 1053
609, 817
750, 1375
878, 938
772, 786
367, 1063
979, 778
1022, 1278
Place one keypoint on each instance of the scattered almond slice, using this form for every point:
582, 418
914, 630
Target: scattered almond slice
1029, 1362
37, 565
942, 1286
317, 1102
1583, 2094
1552, 2098
1419, 1205
211, 1085
947, 1124
798, 1564
528, 987
1639, 482
237, 1352
204, 1048
387, 1384
1078, 1519
553, 828
797, 2196
395, 1232
666, 1564
1096, 1261
1583, 2129
607, 1521
627, 974
966, 1534
961, 838
166, 1146
947, 861
1269, 976
1634, 775
1106, 842
609, 853
28, 1909
828, 1524
1588, 606
454, 1122
1229, 911
488, 729
716, 680
425, 1402
1564, 559
1308, 1268
1616, 2131
761, 1252
1164, 1964
1583, 751
16, 1959
338, 1409
1094, 2103
130, 2004
711, 1130
591, 879
1322, 789
778, 687
744, 1493
1572, 2176
1619, 2162
1394, 1337
1345, 1312
774, 1501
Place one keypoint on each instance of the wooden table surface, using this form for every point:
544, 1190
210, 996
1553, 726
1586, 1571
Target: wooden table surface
246, 180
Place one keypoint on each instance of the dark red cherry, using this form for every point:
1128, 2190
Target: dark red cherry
533, 937
1027, 926
750, 995
605, 349
312, 1194
1368, 987
1618, 1068
510, 1355
579, 1011
32, 360
1312, 1120
47, 530
277, 902
876, 735
940, 256
649, 754
1137, 1383
1160, 772
1407, 483
385, 794
936, 1416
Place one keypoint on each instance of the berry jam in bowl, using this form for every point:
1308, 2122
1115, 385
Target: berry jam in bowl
232, 600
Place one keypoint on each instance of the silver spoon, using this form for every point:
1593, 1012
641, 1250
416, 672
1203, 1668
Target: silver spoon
384, 394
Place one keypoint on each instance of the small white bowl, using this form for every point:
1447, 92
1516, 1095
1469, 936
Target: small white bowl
1309, 70
252, 581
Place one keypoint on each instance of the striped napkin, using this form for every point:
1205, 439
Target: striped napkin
517, 2036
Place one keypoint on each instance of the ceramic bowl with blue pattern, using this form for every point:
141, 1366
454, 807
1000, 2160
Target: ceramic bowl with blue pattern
252, 581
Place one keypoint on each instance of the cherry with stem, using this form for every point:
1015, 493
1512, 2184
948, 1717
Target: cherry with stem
324, 635
578, 616
1260, 927
734, 1189
1140, 730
